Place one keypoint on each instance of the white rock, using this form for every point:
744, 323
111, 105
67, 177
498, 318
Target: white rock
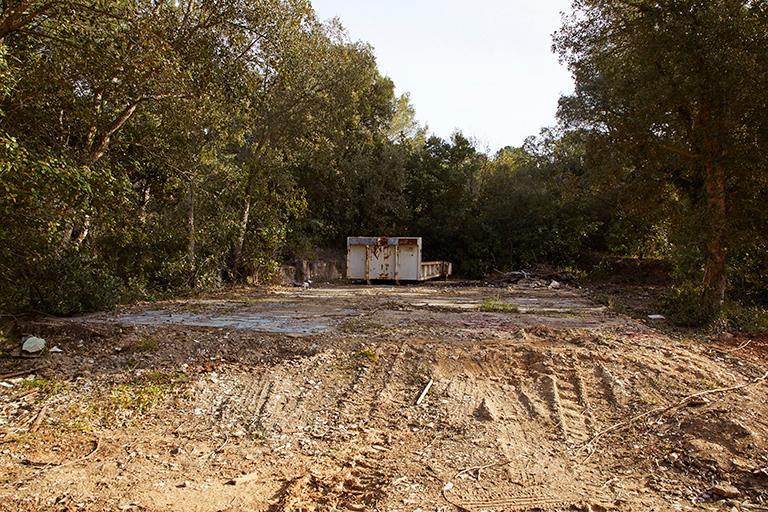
33, 345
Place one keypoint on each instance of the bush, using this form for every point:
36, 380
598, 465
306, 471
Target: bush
746, 319
75, 283
682, 306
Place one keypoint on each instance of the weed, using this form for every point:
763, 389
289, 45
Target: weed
369, 354
145, 393
147, 344
359, 325
78, 417
496, 306
46, 387
746, 319
136, 397
166, 378
682, 305
610, 302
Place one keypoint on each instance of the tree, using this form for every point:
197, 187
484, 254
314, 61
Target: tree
675, 88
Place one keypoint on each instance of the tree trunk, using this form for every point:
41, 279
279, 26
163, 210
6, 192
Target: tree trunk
237, 250
191, 257
102, 144
255, 156
715, 266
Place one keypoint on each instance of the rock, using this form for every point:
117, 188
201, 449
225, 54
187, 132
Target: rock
725, 491
56, 350
33, 345
657, 317
231, 481
183, 484
554, 285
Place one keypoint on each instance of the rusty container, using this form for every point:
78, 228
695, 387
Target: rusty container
371, 258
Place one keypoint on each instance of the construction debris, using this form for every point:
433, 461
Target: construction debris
33, 345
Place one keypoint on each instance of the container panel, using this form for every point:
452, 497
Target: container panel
390, 259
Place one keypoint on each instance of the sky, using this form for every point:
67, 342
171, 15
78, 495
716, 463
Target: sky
484, 67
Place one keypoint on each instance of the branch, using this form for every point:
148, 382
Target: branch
662, 410
122, 118
679, 151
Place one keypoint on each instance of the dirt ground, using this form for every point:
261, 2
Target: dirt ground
417, 398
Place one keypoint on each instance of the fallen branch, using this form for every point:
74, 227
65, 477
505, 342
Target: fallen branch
424, 392
480, 468
217, 450
662, 410
742, 346
20, 373
96, 443
39, 418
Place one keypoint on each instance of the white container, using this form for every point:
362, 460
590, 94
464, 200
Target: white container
390, 259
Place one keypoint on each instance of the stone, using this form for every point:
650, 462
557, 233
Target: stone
33, 345
725, 491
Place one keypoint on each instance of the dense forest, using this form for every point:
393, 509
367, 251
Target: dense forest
151, 146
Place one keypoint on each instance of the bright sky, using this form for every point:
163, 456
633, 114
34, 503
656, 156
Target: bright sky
484, 67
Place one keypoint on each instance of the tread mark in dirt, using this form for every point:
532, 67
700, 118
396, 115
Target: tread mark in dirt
388, 380
583, 398
457, 389
553, 396
487, 502
568, 406
573, 407
611, 388
525, 401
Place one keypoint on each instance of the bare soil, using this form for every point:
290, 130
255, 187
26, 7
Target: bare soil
306, 399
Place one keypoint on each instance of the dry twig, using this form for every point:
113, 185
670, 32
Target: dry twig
424, 392
479, 468
742, 346
20, 373
39, 418
96, 443
662, 410
217, 450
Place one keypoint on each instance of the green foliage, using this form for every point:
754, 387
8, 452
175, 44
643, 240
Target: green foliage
143, 394
670, 93
751, 320
368, 354
139, 398
496, 306
146, 344
46, 387
148, 148
682, 306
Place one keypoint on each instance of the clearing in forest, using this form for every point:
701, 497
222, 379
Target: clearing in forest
529, 398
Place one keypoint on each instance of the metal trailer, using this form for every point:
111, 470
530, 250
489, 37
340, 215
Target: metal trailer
396, 259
